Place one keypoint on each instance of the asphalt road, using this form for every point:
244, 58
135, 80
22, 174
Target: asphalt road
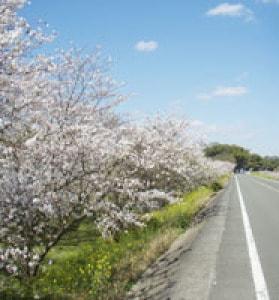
236, 276
246, 263
232, 255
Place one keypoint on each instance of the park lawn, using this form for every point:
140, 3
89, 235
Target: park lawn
85, 266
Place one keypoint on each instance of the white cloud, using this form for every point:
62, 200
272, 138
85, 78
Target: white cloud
232, 10
233, 133
230, 91
197, 123
205, 96
203, 127
222, 92
146, 46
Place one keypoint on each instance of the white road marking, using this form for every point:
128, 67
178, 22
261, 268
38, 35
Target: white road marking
257, 272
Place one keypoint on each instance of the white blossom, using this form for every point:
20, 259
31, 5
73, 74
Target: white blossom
65, 154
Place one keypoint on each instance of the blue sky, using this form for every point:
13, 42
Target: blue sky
217, 62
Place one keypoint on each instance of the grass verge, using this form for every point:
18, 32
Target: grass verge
264, 175
84, 266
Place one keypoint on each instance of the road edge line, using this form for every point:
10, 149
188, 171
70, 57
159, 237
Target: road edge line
257, 272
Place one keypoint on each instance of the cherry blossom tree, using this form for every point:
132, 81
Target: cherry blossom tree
56, 135
65, 154
158, 161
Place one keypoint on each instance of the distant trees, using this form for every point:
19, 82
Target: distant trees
272, 163
256, 162
242, 157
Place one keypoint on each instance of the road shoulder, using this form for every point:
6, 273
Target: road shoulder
187, 269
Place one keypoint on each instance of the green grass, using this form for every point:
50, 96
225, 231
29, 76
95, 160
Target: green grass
179, 215
85, 266
263, 175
